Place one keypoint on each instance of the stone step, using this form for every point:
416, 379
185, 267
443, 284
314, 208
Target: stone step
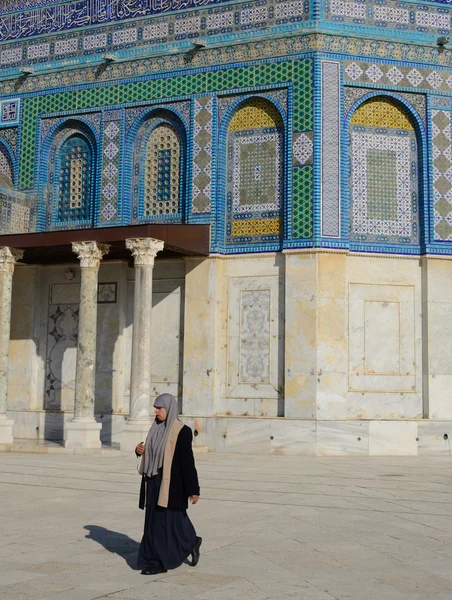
50, 447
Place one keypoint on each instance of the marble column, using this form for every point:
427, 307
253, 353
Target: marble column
83, 431
144, 251
8, 258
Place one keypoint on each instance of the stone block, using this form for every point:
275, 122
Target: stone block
6, 431
393, 438
80, 434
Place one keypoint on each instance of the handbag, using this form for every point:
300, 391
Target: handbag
140, 464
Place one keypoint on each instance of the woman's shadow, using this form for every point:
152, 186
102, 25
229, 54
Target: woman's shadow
115, 542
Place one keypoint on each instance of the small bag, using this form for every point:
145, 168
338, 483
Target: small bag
140, 464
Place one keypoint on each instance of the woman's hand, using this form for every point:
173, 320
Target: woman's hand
140, 449
194, 499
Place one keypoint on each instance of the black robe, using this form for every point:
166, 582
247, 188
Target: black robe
169, 536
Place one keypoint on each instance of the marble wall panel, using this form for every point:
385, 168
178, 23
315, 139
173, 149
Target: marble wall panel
250, 436
341, 438
373, 309
300, 335
434, 438
26, 424
392, 438
255, 327
200, 341
293, 437
22, 352
167, 307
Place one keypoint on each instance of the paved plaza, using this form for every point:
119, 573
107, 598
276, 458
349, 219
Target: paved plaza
274, 528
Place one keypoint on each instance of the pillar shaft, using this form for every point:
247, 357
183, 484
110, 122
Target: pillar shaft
90, 254
8, 258
144, 251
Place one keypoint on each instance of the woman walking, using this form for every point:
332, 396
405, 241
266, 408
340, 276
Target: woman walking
169, 480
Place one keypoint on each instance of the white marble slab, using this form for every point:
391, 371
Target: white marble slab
393, 438
293, 437
341, 438
431, 438
250, 436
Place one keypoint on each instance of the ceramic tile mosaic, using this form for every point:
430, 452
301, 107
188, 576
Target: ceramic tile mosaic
255, 174
152, 89
142, 34
302, 148
109, 187
401, 16
68, 167
442, 173
330, 157
278, 96
84, 13
398, 76
10, 136
302, 203
202, 154
158, 171
416, 101
9, 112
383, 179
6, 166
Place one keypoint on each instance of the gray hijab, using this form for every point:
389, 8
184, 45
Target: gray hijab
158, 434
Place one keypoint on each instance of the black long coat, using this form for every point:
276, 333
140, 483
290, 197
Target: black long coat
184, 477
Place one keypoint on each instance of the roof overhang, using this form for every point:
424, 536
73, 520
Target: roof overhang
52, 247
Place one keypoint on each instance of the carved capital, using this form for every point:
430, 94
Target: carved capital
8, 259
90, 253
144, 250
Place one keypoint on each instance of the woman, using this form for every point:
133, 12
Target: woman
169, 479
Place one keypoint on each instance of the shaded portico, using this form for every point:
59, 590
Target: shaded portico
138, 245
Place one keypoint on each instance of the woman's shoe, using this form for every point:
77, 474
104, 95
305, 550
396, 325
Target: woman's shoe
195, 552
153, 571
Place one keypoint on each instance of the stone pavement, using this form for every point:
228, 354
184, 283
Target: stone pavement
274, 528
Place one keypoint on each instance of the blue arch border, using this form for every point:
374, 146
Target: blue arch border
176, 120
42, 174
12, 158
423, 173
219, 198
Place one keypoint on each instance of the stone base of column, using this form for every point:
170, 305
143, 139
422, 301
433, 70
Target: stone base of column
133, 433
79, 434
6, 431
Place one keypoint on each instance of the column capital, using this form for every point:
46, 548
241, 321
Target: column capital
8, 258
144, 250
90, 253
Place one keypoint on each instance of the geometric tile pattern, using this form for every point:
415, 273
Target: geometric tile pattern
6, 167
384, 13
10, 135
9, 112
109, 188
255, 174
93, 118
202, 155
442, 174
157, 170
330, 167
439, 80
74, 185
153, 89
76, 16
162, 172
279, 96
56, 190
416, 101
383, 178
303, 146
302, 191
